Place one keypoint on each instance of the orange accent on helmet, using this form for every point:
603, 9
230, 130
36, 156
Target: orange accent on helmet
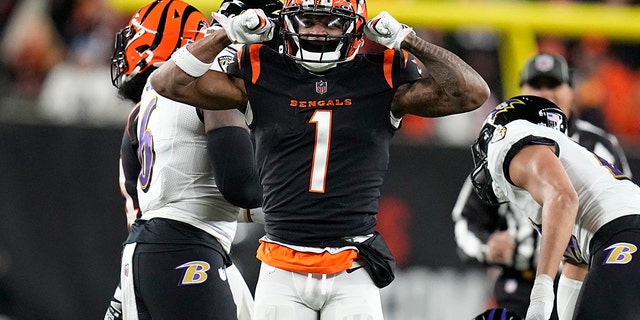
153, 34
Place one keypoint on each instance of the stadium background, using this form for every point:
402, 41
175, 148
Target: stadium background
61, 217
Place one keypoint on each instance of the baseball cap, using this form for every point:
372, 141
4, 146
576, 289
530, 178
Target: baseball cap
552, 67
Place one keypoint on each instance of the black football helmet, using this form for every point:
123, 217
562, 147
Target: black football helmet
498, 314
534, 109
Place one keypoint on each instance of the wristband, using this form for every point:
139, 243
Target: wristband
191, 65
255, 215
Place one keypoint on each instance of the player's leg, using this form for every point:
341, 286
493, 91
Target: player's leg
277, 296
353, 296
129, 299
610, 290
183, 282
241, 293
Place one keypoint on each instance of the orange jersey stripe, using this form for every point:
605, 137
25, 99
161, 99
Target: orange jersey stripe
388, 64
405, 53
254, 53
239, 57
286, 258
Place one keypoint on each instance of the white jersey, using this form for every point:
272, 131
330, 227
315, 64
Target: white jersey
604, 193
176, 181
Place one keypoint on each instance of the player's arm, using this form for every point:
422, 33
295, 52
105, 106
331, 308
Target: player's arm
537, 169
186, 76
449, 85
130, 167
231, 155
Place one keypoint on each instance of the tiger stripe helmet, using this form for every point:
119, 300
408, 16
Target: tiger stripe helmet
153, 34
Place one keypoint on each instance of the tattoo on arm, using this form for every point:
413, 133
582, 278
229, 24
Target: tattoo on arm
449, 84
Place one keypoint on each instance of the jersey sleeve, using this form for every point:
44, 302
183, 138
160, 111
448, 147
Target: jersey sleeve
231, 153
410, 67
507, 141
225, 58
241, 65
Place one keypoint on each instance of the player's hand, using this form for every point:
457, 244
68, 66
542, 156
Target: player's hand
541, 302
386, 30
252, 26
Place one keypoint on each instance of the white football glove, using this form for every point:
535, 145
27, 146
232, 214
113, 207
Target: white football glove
251, 26
386, 30
541, 300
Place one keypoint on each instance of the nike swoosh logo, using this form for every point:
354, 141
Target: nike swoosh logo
354, 269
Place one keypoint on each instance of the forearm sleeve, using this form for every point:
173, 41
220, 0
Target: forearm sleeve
231, 155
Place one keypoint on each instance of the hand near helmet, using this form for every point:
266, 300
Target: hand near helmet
541, 301
252, 26
386, 30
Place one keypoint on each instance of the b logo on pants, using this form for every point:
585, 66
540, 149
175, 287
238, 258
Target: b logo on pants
620, 253
195, 272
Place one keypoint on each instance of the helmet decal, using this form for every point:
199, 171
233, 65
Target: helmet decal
153, 34
504, 107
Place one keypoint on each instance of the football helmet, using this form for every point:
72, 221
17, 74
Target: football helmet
534, 109
319, 53
498, 314
153, 34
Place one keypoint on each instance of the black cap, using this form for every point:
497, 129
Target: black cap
545, 65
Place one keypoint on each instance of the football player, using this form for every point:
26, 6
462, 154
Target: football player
584, 208
178, 200
322, 116
496, 235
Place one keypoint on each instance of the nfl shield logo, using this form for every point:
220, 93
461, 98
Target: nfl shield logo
321, 87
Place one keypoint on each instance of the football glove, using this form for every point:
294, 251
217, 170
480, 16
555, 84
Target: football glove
252, 26
386, 30
541, 301
114, 312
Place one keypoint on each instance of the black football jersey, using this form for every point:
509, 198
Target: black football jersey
322, 140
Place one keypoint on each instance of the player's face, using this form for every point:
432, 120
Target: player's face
321, 25
559, 93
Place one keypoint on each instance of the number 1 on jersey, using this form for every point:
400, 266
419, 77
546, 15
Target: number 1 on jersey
322, 119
